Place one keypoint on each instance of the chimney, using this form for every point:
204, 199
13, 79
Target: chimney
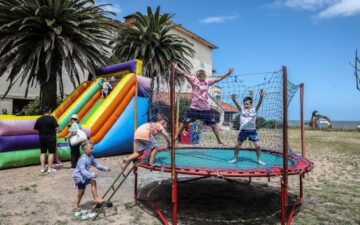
129, 20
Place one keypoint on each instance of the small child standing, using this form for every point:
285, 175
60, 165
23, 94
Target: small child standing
82, 175
248, 116
105, 88
144, 139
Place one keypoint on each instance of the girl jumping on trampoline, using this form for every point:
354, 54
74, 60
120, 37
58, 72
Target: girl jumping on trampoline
248, 116
200, 108
144, 139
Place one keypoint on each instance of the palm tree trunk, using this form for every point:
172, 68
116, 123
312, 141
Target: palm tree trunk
48, 92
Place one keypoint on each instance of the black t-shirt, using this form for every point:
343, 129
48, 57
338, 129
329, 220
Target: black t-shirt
46, 125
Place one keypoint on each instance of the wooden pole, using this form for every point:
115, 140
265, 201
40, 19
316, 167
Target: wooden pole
173, 137
134, 148
302, 123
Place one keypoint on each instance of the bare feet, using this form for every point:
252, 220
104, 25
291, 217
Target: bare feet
99, 200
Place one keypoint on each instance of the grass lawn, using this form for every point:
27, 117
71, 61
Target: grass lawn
332, 189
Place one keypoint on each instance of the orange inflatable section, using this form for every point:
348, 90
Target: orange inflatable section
71, 99
89, 105
112, 117
83, 112
114, 104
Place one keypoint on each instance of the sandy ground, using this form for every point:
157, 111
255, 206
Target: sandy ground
331, 194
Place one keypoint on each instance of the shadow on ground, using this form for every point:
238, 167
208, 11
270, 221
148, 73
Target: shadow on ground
216, 201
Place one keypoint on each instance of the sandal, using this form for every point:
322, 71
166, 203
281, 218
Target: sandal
108, 204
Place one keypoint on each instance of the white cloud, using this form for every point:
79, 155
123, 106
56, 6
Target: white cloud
323, 8
342, 8
114, 7
218, 19
307, 4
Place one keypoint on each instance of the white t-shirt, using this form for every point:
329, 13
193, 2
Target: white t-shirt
106, 85
248, 119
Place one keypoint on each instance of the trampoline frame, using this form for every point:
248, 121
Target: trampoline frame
284, 172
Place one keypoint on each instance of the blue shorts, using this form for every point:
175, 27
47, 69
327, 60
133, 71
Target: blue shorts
207, 116
251, 134
82, 185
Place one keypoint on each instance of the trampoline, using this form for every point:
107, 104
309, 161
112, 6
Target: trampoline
214, 162
202, 156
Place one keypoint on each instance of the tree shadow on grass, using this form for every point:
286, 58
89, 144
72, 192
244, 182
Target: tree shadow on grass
214, 201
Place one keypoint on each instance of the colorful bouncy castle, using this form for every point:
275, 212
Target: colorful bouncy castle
108, 122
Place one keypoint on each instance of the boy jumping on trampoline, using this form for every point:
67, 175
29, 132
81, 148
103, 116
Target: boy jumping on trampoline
200, 108
248, 116
82, 175
144, 139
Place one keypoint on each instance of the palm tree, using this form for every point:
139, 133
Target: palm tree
43, 40
150, 40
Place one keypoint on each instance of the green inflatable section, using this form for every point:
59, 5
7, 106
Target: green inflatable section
29, 157
83, 99
91, 111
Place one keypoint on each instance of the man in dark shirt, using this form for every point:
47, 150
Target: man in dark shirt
47, 127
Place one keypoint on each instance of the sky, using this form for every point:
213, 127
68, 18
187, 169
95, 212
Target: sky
315, 39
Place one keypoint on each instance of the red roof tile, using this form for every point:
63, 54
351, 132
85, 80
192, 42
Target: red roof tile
164, 97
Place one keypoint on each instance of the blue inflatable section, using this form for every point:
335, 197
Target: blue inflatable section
119, 139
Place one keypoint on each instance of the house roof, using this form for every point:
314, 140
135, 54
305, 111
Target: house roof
227, 107
187, 32
129, 20
164, 97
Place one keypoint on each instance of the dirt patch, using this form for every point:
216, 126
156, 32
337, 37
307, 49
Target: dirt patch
331, 193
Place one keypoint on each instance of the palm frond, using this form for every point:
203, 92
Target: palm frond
44, 40
150, 39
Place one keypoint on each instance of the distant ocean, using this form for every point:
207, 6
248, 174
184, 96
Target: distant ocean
337, 124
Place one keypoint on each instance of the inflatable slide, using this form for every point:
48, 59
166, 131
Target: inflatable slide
107, 121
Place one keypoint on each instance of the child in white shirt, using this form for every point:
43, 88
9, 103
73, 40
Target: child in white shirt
106, 86
248, 116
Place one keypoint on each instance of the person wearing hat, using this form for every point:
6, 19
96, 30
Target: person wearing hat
75, 150
47, 126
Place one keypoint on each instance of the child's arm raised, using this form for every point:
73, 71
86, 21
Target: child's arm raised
219, 78
181, 71
261, 93
233, 97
